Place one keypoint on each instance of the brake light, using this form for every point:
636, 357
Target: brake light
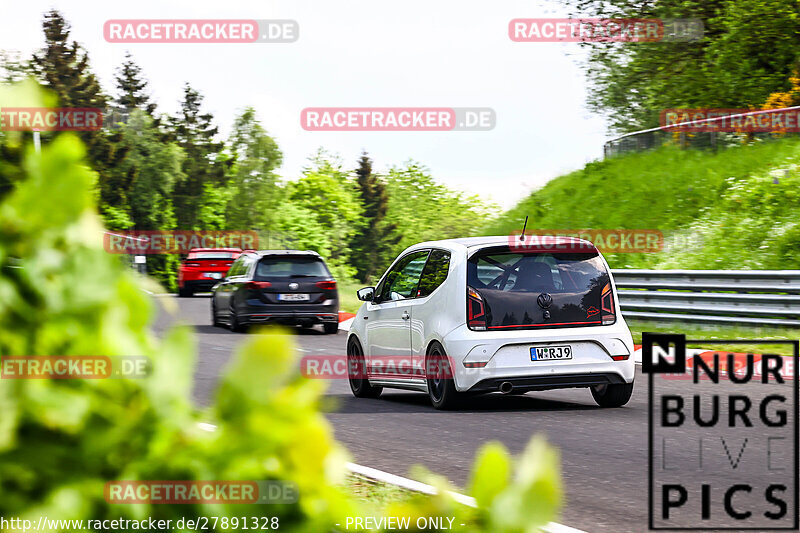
257, 285
326, 285
607, 305
476, 311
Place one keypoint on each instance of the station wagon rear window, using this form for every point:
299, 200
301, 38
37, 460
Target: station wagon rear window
291, 266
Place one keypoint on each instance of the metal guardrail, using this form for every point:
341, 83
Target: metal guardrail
638, 141
751, 297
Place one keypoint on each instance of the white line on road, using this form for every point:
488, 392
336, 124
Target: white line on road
416, 486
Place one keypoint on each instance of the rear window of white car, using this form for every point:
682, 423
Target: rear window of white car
534, 290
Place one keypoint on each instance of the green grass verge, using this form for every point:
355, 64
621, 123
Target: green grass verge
736, 208
374, 492
348, 301
710, 332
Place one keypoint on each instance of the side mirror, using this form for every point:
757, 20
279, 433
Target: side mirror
366, 294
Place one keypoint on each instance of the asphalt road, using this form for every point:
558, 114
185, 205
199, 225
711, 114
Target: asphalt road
603, 451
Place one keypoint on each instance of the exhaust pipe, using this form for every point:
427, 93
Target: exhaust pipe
506, 387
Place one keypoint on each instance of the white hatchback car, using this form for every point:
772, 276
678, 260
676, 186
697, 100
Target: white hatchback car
481, 314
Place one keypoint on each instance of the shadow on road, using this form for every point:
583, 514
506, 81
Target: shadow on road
419, 402
315, 331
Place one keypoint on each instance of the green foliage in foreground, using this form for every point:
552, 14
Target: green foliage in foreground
734, 209
62, 440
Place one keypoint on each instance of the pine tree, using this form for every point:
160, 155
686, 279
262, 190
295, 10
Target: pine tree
132, 88
63, 67
195, 133
370, 246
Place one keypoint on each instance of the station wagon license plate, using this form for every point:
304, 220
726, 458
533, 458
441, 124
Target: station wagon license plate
551, 353
214, 275
293, 297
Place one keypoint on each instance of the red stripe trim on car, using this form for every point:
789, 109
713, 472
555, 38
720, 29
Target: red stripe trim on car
542, 325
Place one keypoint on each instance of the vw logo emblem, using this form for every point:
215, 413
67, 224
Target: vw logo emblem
544, 300
293, 286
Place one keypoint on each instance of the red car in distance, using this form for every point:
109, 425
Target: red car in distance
203, 268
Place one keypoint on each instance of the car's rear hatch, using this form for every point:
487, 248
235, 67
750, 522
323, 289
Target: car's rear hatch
509, 289
293, 280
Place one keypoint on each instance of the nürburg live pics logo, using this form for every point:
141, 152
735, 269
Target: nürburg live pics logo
722, 434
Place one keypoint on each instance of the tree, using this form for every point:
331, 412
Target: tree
748, 50
156, 168
327, 191
63, 66
255, 189
132, 88
374, 244
12, 68
195, 132
427, 210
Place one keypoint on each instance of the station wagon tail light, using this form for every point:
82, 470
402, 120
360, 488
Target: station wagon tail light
476, 310
326, 285
257, 285
607, 305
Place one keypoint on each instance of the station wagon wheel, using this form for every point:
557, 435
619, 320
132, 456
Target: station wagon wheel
214, 320
236, 326
357, 372
441, 381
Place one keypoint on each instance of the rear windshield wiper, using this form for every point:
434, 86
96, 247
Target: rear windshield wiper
302, 276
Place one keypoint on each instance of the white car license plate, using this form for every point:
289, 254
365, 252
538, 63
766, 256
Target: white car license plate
214, 275
551, 353
293, 297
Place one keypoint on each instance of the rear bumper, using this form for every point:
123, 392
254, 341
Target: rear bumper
199, 285
545, 382
505, 356
291, 315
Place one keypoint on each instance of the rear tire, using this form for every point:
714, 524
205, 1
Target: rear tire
442, 385
236, 326
612, 395
331, 327
185, 293
357, 366
214, 320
